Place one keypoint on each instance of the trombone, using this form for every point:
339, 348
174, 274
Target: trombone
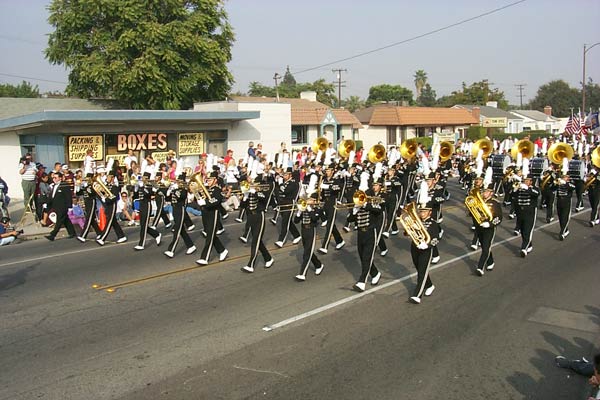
301, 205
245, 186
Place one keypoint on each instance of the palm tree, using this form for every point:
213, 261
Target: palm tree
420, 81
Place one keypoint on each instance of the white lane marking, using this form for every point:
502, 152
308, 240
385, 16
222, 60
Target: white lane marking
329, 306
261, 370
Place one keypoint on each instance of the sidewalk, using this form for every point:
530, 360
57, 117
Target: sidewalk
31, 229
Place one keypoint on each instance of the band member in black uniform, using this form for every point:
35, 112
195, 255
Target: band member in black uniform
179, 198
160, 198
144, 193
507, 185
352, 178
60, 200
547, 189
393, 192
110, 210
256, 203
594, 195
525, 198
365, 218
486, 231
89, 203
564, 193
309, 218
436, 194
329, 188
421, 254
210, 216
287, 195
380, 218
579, 189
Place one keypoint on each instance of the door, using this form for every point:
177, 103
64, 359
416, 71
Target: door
216, 147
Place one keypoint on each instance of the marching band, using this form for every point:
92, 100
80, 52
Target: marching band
404, 185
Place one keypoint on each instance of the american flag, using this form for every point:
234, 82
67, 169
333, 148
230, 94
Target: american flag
573, 125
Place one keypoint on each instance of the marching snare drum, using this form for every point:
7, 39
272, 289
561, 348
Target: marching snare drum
499, 164
576, 169
538, 165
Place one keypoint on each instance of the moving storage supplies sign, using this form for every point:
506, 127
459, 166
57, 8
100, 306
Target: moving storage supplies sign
190, 144
78, 145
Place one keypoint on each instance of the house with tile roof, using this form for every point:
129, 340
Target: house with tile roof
389, 124
490, 116
296, 122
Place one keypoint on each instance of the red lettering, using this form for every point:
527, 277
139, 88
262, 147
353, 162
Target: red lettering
121, 142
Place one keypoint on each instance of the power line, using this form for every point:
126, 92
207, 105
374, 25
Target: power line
521, 86
413, 38
32, 78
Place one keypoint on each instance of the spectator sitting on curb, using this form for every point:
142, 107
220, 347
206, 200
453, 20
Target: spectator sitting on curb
585, 368
125, 210
7, 236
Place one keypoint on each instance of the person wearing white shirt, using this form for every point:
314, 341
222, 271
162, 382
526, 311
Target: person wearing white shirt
130, 157
89, 164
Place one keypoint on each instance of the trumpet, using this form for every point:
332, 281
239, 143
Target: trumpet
359, 199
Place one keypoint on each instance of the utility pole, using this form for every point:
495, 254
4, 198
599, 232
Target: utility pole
276, 77
520, 86
340, 84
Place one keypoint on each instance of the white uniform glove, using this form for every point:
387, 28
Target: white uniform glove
485, 224
140, 183
355, 210
324, 186
308, 208
422, 246
524, 186
298, 214
562, 181
202, 202
252, 190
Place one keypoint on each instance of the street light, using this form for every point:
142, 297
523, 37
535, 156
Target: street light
583, 91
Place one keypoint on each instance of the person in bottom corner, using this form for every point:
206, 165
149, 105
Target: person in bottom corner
366, 221
256, 203
564, 193
309, 218
179, 197
594, 196
422, 254
486, 231
110, 208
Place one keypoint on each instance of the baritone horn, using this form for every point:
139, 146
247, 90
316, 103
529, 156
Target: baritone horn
446, 151
478, 207
101, 189
346, 147
197, 188
595, 158
376, 153
524, 147
559, 151
410, 220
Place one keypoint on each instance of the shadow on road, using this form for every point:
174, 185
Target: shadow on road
17, 278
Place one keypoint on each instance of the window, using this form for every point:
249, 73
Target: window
548, 128
355, 134
526, 128
391, 135
299, 134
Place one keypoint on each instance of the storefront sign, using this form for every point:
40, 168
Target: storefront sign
160, 157
445, 137
142, 141
190, 144
79, 145
116, 157
494, 122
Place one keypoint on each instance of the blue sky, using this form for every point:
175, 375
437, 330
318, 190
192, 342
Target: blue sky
531, 43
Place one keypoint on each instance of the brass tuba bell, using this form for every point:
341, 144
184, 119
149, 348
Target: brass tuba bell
446, 151
376, 153
346, 147
559, 151
320, 144
482, 144
408, 149
524, 147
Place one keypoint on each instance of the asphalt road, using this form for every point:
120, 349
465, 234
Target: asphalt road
215, 332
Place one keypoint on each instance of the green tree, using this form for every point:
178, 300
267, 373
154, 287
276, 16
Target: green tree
420, 81
385, 93
478, 93
592, 95
559, 95
325, 91
427, 97
24, 89
288, 78
257, 89
353, 103
146, 53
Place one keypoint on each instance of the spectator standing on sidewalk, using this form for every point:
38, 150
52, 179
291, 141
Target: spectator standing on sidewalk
27, 170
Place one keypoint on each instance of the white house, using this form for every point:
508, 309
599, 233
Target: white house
534, 120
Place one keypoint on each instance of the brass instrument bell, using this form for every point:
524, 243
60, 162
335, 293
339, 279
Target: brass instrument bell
446, 151
320, 144
482, 144
346, 147
408, 149
524, 147
559, 151
376, 153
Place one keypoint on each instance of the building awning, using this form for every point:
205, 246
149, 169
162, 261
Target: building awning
39, 119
